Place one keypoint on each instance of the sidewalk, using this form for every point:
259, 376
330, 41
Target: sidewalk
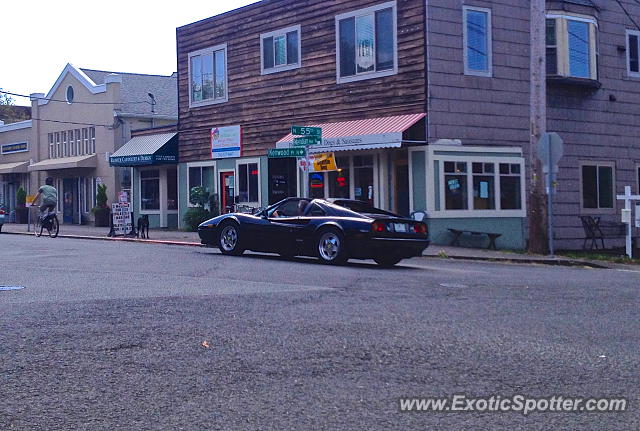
174, 237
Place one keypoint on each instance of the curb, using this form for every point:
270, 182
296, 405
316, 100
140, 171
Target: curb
550, 262
104, 238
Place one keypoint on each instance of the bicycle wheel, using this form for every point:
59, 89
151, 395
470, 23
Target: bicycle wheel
38, 228
54, 227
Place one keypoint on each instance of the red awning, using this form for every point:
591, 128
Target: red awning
385, 132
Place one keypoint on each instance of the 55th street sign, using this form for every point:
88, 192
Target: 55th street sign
306, 131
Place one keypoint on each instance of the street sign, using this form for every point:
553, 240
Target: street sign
281, 153
306, 131
550, 150
305, 142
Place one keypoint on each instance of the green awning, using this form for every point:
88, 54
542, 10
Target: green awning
158, 149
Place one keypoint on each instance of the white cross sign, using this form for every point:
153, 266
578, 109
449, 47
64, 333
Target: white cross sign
627, 197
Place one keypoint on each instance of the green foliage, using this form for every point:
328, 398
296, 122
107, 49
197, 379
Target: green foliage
194, 216
101, 196
199, 196
21, 197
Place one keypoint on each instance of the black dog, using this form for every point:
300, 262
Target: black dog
143, 227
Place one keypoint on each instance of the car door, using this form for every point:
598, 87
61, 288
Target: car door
277, 233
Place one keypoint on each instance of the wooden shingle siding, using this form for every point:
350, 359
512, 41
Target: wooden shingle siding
594, 127
479, 110
267, 105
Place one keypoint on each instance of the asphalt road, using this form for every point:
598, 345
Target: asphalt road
124, 336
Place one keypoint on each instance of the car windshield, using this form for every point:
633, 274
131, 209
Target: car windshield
362, 207
291, 208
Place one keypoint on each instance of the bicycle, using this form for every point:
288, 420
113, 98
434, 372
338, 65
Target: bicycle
48, 221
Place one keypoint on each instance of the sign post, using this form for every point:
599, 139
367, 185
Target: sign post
306, 136
550, 151
627, 197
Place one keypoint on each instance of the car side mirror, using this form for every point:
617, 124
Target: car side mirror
263, 214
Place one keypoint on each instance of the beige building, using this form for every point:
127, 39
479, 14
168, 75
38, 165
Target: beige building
16, 152
85, 117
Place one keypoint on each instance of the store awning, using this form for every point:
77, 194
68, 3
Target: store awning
374, 133
76, 162
14, 168
158, 149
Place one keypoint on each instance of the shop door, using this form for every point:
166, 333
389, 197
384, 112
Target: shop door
70, 199
227, 191
402, 189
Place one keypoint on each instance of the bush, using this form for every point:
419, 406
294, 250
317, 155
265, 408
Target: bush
21, 198
101, 196
196, 215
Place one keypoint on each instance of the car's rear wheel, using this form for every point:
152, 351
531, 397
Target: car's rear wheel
229, 239
387, 261
331, 247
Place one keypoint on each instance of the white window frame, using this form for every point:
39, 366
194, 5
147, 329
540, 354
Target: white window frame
598, 164
442, 213
562, 43
363, 12
92, 140
237, 179
637, 173
274, 34
627, 34
212, 50
150, 168
208, 164
467, 71
85, 141
52, 145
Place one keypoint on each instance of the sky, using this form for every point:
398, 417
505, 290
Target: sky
41, 36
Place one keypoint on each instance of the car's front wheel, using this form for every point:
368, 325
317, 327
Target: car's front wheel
387, 261
229, 239
331, 247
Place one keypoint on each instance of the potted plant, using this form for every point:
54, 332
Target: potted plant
199, 213
101, 211
22, 212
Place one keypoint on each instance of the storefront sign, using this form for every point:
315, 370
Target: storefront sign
383, 140
142, 160
323, 162
279, 153
226, 142
20, 147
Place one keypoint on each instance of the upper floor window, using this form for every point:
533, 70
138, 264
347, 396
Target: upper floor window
281, 50
367, 43
208, 76
633, 50
571, 46
477, 41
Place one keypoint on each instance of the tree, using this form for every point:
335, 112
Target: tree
9, 112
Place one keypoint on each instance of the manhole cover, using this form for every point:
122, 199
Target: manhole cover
453, 285
11, 288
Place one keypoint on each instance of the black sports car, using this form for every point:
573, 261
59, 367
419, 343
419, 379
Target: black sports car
314, 227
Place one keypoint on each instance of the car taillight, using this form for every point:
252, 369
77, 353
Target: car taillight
420, 228
379, 226
2, 212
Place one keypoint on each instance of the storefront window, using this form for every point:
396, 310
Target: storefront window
201, 176
150, 190
484, 196
363, 178
510, 186
248, 174
339, 180
172, 189
456, 185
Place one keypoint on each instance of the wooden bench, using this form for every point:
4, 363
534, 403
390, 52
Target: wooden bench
457, 233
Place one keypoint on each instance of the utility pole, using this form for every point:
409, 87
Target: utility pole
537, 209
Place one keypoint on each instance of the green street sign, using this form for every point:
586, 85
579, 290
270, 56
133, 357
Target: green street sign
281, 153
305, 142
306, 131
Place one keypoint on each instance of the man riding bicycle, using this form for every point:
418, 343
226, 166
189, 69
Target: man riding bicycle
49, 196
